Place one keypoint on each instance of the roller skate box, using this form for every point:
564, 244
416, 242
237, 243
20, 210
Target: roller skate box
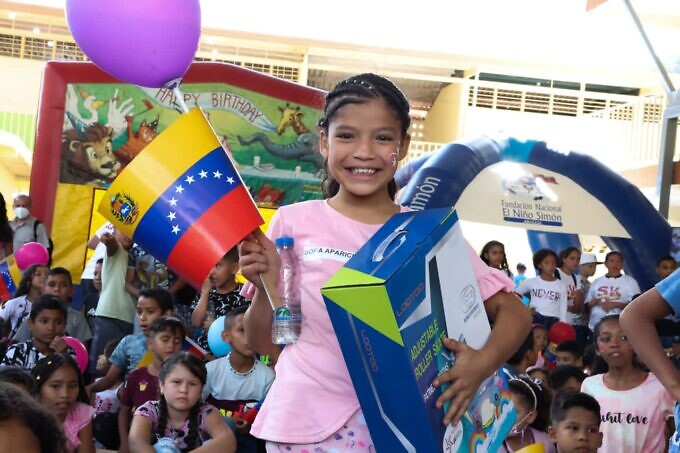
408, 287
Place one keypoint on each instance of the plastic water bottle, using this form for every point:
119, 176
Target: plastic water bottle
287, 317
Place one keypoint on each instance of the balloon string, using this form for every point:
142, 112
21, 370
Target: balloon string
179, 97
173, 85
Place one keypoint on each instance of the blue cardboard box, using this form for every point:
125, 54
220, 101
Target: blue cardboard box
408, 287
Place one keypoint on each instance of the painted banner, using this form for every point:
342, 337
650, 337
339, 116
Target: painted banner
274, 143
91, 127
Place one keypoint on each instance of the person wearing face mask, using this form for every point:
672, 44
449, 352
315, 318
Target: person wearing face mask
532, 404
24, 224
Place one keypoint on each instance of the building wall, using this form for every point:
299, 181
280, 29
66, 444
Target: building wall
445, 118
20, 85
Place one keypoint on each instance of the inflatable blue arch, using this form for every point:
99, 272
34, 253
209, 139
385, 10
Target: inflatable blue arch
457, 164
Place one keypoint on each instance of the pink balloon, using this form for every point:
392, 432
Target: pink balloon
148, 43
80, 350
31, 253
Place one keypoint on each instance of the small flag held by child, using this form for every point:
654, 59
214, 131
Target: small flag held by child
10, 275
182, 199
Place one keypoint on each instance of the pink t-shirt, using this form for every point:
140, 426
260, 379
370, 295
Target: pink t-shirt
78, 417
312, 395
632, 420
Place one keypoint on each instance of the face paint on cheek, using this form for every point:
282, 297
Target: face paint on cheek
393, 156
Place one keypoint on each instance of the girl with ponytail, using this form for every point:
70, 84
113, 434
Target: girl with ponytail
180, 421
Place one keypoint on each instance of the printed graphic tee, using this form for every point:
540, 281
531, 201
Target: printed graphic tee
548, 298
632, 420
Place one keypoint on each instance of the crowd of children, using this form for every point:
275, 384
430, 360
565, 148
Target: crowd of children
596, 366
97, 407
141, 392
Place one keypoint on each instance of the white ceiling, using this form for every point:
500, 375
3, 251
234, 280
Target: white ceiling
557, 34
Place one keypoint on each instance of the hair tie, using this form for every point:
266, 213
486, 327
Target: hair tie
527, 385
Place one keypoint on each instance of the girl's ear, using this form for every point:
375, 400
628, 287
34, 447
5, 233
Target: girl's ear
552, 434
323, 143
404, 146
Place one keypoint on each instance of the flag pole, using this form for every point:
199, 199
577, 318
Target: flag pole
173, 85
266, 291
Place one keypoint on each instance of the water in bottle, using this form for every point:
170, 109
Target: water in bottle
288, 317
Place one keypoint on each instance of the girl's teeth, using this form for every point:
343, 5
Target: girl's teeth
363, 171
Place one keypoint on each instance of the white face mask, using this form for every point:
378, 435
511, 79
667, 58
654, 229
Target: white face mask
21, 212
515, 431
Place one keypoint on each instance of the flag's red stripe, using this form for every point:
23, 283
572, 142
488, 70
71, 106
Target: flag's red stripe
4, 291
221, 227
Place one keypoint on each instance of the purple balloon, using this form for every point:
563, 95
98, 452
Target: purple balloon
145, 42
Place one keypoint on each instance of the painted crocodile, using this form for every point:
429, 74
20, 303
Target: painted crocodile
305, 148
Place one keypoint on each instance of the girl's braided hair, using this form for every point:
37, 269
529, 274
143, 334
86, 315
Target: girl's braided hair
195, 367
359, 89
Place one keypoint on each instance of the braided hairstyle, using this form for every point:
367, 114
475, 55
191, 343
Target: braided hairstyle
195, 367
359, 89
51, 363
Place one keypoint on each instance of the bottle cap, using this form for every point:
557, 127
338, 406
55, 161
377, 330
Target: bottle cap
284, 242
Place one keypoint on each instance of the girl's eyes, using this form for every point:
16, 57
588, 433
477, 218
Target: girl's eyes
350, 136
607, 339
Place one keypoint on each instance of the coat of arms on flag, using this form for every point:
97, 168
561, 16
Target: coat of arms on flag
182, 199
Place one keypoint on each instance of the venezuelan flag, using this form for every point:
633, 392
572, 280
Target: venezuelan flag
10, 275
182, 200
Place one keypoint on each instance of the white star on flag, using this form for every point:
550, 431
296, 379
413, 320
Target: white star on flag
230, 180
179, 189
217, 174
175, 229
189, 179
203, 174
173, 202
172, 215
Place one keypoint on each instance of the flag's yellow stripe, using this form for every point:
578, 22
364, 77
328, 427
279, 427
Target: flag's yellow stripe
14, 270
161, 162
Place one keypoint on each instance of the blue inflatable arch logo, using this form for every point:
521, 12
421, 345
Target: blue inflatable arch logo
439, 179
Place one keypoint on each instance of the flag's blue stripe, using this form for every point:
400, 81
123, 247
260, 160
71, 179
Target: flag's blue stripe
6, 276
155, 230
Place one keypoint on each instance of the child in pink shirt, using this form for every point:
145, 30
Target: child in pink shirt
61, 390
312, 403
634, 405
